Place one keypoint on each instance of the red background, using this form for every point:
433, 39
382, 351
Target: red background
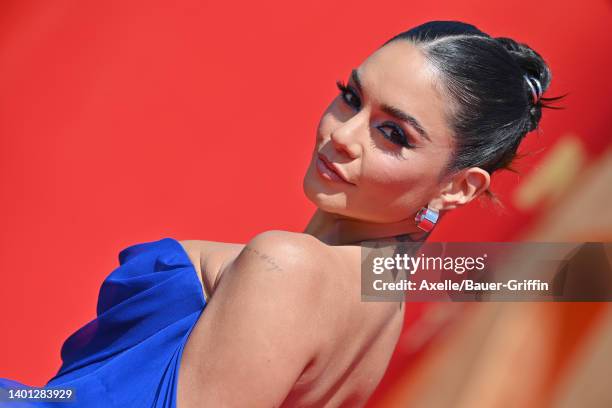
128, 121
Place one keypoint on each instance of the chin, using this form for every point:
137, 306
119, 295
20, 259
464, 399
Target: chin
322, 196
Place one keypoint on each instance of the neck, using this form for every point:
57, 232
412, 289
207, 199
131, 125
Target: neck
334, 229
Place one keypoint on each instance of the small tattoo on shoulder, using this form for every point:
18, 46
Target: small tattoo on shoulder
270, 261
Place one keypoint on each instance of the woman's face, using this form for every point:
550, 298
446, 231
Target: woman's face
386, 135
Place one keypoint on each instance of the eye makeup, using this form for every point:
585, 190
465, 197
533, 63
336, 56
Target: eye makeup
396, 135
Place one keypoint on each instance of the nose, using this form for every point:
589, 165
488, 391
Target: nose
345, 138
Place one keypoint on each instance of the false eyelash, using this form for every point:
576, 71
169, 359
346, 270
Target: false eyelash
342, 86
347, 89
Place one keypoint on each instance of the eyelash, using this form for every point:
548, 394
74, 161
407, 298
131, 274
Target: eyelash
396, 136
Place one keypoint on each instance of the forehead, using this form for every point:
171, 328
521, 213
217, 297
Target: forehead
395, 59
399, 75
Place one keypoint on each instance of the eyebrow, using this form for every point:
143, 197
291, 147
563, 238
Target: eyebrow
393, 111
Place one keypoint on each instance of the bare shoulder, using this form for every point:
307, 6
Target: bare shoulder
327, 276
290, 247
293, 261
294, 308
293, 249
300, 259
330, 274
268, 294
288, 240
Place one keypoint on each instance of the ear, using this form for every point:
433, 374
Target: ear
462, 188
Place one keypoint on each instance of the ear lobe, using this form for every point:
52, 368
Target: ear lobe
449, 197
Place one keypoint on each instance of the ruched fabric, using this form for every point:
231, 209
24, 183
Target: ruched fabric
129, 355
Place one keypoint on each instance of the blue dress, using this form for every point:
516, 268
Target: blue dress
129, 355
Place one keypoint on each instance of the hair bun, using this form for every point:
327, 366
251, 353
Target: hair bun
533, 65
529, 60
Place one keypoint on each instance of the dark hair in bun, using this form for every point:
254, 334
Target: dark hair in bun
492, 104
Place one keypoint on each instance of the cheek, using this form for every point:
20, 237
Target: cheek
399, 181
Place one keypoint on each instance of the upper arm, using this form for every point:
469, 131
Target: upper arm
256, 335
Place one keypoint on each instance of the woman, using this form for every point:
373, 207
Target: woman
416, 131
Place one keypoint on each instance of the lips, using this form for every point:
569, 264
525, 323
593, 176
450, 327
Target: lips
330, 170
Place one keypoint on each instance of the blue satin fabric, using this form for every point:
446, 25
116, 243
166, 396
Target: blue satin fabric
129, 356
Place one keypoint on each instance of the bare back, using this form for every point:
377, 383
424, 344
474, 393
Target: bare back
349, 366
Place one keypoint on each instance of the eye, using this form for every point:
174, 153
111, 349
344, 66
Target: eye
396, 135
349, 95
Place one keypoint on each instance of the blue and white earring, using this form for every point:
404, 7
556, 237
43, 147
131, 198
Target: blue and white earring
426, 218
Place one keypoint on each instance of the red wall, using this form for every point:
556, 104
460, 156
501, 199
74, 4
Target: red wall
127, 121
